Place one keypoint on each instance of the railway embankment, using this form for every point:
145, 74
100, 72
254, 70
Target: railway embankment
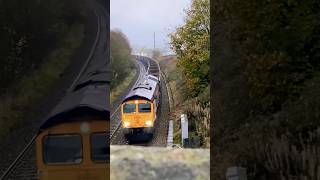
43, 89
135, 162
196, 108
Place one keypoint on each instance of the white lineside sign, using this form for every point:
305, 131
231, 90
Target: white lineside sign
170, 134
184, 127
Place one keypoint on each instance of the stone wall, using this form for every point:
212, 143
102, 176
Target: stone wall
137, 162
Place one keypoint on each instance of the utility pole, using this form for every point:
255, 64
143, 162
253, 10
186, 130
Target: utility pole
154, 40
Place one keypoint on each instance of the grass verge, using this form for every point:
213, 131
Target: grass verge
16, 106
117, 91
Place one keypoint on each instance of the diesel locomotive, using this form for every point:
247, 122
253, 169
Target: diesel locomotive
139, 108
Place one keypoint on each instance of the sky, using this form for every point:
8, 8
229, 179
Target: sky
139, 19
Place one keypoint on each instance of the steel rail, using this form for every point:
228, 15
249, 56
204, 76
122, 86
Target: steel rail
13, 164
140, 74
129, 91
119, 123
89, 58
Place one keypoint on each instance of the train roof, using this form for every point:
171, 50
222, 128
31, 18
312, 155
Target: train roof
90, 99
154, 78
101, 76
144, 89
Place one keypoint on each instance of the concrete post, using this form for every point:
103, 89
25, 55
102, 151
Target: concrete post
236, 173
184, 128
170, 134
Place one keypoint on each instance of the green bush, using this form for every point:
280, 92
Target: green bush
266, 71
191, 44
29, 30
121, 60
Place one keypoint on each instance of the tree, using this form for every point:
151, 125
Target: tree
120, 52
29, 30
191, 44
266, 76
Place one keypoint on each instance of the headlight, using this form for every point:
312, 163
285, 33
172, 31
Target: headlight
126, 124
149, 123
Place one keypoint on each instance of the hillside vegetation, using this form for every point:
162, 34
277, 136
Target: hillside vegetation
121, 64
191, 44
266, 88
188, 72
37, 41
29, 30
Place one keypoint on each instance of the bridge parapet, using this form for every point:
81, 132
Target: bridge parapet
136, 162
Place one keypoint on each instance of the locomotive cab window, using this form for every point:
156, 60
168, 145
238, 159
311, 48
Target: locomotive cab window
145, 108
100, 149
129, 108
63, 149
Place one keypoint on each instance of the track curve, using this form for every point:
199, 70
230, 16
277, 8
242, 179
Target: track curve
24, 165
150, 66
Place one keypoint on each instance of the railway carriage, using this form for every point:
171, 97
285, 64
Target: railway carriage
139, 108
73, 142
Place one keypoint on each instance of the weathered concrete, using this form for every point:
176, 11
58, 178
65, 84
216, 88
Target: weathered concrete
136, 162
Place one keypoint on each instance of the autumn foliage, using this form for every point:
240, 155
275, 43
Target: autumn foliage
29, 30
266, 79
120, 59
191, 44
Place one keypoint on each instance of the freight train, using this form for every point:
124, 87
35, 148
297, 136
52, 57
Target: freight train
139, 108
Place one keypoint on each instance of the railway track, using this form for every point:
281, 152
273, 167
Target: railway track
115, 116
24, 165
161, 126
